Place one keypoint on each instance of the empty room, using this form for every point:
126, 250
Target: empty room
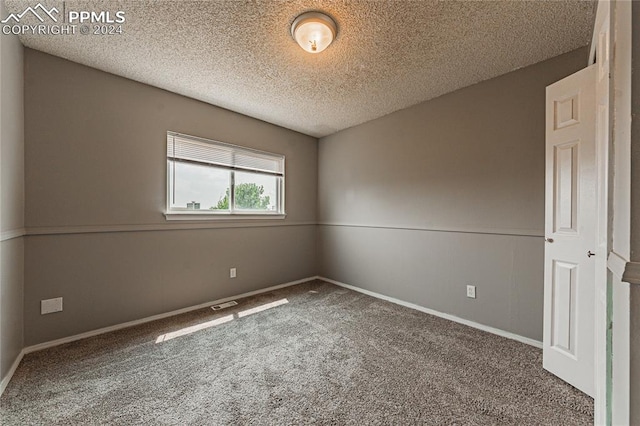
235, 212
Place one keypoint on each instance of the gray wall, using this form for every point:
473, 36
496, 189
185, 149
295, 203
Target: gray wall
418, 204
95, 160
12, 199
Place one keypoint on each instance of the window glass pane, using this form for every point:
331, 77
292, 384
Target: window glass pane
198, 187
255, 191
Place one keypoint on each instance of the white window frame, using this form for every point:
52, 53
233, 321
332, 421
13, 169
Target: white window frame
172, 213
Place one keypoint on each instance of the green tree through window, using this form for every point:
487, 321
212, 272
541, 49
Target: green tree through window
247, 196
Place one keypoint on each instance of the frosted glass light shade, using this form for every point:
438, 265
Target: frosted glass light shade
314, 31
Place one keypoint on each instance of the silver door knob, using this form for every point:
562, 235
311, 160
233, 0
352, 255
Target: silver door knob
549, 240
589, 254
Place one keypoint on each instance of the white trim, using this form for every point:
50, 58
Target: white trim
620, 353
449, 317
464, 230
604, 91
243, 223
620, 210
62, 341
58, 342
5, 381
616, 264
12, 233
205, 215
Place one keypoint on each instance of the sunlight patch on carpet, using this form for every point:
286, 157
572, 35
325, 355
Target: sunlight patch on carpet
189, 330
203, 326
262, 308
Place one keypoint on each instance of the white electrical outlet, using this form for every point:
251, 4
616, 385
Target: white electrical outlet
50, 306
471, 291
232, 273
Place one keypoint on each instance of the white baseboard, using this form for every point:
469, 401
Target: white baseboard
450, 317
57, 342
5, 381
62, 341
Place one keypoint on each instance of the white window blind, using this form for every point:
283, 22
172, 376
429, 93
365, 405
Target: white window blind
192, 149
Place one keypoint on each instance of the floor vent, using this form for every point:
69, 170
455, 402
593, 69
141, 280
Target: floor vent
224, 305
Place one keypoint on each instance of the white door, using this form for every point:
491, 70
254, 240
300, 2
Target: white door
570, 229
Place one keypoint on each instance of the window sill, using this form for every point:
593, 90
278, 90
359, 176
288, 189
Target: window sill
206, 216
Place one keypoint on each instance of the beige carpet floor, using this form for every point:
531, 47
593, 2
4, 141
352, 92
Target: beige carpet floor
314, 353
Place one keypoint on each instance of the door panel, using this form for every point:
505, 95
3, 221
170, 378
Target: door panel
564, 307
570, 227
566, 182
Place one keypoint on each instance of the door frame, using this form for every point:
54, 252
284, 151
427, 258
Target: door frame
601, 55
612, 357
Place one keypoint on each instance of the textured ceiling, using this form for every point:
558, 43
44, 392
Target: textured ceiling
388, 55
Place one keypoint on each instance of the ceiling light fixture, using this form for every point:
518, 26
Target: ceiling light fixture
314, 31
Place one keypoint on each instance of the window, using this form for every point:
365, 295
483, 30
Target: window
207, 177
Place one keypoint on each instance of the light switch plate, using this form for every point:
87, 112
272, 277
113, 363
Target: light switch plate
232, 273
50, 306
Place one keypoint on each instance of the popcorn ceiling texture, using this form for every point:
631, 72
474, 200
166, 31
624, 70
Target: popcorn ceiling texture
388, 55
